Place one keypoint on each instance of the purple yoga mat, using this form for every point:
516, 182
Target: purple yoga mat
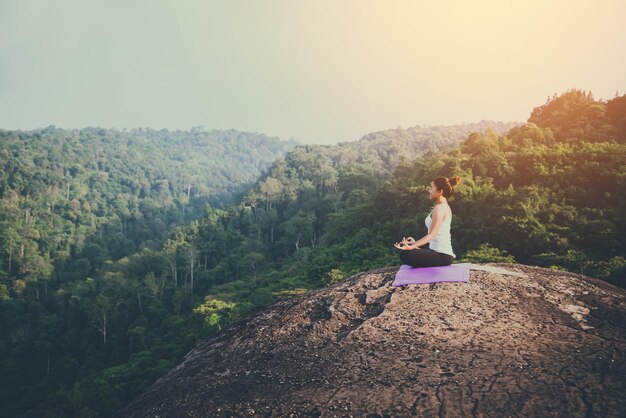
420, 275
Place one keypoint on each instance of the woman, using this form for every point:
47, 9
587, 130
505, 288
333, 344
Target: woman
438, 222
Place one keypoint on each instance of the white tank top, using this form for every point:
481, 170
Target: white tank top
442, 243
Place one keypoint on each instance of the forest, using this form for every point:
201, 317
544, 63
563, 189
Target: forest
72, 201
120, 251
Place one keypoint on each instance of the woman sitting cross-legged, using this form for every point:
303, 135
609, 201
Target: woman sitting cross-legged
438, 222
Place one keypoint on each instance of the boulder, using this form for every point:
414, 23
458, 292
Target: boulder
541, 343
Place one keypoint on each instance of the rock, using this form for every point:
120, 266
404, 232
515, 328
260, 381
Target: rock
541, 342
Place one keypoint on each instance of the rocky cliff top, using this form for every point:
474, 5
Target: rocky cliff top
551, 343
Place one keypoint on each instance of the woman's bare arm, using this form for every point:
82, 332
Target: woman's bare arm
437, 215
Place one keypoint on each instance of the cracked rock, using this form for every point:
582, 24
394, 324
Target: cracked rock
537, 343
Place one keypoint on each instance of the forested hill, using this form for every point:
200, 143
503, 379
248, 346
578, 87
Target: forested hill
394, 145
198, 164
374, 156
59, 187
406, 143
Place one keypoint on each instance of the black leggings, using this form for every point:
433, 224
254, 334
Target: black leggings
425, 257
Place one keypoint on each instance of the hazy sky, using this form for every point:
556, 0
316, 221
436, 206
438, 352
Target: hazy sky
318, 71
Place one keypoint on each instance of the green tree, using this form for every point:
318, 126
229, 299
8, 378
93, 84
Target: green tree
485, 253
216, 312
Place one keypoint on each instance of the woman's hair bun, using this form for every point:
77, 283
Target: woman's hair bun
454, 180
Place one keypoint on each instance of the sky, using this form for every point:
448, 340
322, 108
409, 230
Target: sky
318, 71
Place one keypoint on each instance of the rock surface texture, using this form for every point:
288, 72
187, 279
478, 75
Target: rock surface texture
551, 343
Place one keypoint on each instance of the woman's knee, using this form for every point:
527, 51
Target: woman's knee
446, 260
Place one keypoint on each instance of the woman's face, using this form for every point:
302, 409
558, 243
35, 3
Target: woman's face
433, 193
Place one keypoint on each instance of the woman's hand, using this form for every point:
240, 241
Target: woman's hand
400, 245
406, 244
